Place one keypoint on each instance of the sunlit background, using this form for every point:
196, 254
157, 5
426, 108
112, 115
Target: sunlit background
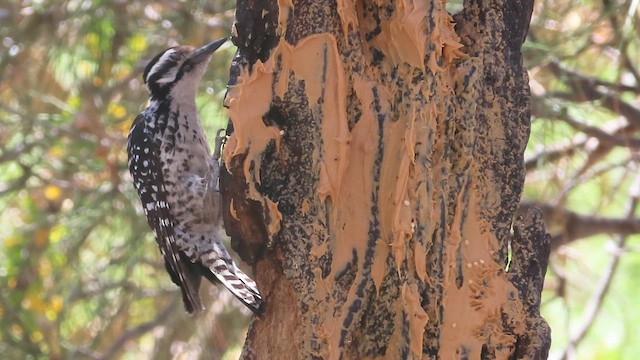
80, 273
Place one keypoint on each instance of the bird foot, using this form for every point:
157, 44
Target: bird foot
218, 144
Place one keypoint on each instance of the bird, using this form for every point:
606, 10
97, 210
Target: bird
176, 177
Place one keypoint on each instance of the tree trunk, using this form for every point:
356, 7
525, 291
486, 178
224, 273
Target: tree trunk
375, 165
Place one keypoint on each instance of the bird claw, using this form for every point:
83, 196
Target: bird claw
214, 175
215, 161
218, 143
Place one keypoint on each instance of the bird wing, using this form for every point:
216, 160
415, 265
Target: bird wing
146, 170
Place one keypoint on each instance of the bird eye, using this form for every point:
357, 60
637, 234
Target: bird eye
175, 56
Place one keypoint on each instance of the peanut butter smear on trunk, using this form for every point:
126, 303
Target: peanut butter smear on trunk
399, 229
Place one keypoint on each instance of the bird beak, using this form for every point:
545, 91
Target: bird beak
203, 53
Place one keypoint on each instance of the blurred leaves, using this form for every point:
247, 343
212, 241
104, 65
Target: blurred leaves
81, 270
583, 170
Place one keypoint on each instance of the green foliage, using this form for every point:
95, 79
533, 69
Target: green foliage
80, 272
583, 170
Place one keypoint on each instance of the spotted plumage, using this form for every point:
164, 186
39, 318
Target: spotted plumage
176, 177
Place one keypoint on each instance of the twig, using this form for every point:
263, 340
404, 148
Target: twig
138, 331
576, 226
585, 89
588, 172
595, 303
555, 152
601, 135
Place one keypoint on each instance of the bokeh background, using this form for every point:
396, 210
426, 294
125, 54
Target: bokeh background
80, 273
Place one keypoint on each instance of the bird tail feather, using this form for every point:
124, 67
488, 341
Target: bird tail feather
239, 283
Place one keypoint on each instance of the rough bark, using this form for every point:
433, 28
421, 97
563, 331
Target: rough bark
375, 166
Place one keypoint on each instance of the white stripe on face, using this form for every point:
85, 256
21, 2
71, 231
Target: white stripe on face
171, 75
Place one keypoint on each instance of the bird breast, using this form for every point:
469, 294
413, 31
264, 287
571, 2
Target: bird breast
186, 158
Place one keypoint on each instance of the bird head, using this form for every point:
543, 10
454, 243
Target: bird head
178, 70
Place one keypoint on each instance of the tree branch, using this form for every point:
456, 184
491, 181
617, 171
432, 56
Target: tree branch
555, 152
139, 330
595, 304
586, 89
576, 226
601, 135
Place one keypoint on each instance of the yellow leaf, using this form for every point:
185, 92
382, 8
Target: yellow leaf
91, 39
56, 303
36, 336
117, 111
55, 151
123, 127
33, 301
11, 241
138, 43
52, 192
44, 267
86, 69
51, 315
120, 112
57, 233
121, 72
74, 102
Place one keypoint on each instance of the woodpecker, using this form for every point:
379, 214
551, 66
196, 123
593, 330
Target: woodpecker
176, 176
